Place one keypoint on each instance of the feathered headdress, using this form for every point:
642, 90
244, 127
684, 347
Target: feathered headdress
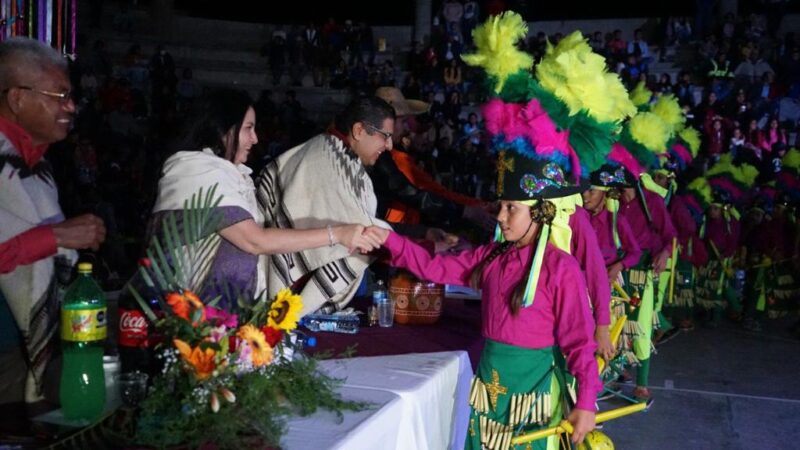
569, 113
678, 154
789, 177
730, 183
698, 198
684, 148
641, 96
650, 135
670, 111
551, 130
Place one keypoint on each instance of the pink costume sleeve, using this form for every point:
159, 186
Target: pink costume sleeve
574, 331
439, 268
682, 219
662, 224
586, 250
629, 245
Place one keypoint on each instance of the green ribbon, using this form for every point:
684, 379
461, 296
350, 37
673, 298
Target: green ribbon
536, 267
612, 205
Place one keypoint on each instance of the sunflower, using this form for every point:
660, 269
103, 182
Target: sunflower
261, 351
202, 361
285, 310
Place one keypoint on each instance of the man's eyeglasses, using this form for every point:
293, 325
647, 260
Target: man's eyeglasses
63, 97
385, 135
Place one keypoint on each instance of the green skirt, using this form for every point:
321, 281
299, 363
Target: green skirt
515, 391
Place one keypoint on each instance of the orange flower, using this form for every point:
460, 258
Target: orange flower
261, 351
184, 305
202, 361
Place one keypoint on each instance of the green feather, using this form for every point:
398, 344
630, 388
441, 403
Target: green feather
645, 157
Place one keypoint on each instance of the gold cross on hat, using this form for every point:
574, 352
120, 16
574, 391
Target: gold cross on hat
503, 165
495, 388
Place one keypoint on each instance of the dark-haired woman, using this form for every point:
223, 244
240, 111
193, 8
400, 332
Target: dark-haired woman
213, 154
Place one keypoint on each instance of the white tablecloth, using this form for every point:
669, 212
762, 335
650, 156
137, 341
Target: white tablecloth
420, 403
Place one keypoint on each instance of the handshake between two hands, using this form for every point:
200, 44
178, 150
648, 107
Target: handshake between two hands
366, 239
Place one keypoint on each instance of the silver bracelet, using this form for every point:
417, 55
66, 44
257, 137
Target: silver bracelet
331, 240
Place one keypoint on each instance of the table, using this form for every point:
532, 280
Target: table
420, 398
459, 328
417, 376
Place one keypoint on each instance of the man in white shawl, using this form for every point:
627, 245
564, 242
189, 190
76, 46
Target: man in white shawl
324, 182
36, 109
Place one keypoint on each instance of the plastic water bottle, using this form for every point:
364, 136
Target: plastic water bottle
380, 293
381, 300
83, 335
337, 323
303, 342
295, 343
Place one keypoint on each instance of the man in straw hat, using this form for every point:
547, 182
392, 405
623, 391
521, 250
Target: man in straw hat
406, 193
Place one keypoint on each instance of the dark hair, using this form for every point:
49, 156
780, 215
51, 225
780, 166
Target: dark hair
219, 112
542, 213
369, 109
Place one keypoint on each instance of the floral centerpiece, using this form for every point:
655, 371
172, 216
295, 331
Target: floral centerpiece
227, 376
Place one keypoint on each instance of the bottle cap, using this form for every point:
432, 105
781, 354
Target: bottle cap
84, 267
311, 341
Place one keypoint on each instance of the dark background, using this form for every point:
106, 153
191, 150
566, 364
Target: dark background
401, 12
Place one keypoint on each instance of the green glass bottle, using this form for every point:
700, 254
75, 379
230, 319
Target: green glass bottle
83, 334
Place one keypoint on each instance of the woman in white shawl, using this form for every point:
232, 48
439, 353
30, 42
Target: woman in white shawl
213, 152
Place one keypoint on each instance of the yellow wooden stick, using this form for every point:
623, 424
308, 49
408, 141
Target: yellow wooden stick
620, 291
614, 334
672, 269
566, 427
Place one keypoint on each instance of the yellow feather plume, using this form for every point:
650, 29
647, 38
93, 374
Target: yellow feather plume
692, 139
670, 111
640, 95
744, 174
701, 187
496, 52
579, 78
749, 174
574, 42
791, 159
649, 130
723, 166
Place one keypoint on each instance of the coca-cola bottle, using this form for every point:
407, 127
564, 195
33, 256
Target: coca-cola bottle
137, 337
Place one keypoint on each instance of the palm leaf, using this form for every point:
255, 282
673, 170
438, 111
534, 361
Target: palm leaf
182, 254
171, 242
143, 304
167, 271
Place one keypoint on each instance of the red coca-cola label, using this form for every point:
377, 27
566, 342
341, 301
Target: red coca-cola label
133, 328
